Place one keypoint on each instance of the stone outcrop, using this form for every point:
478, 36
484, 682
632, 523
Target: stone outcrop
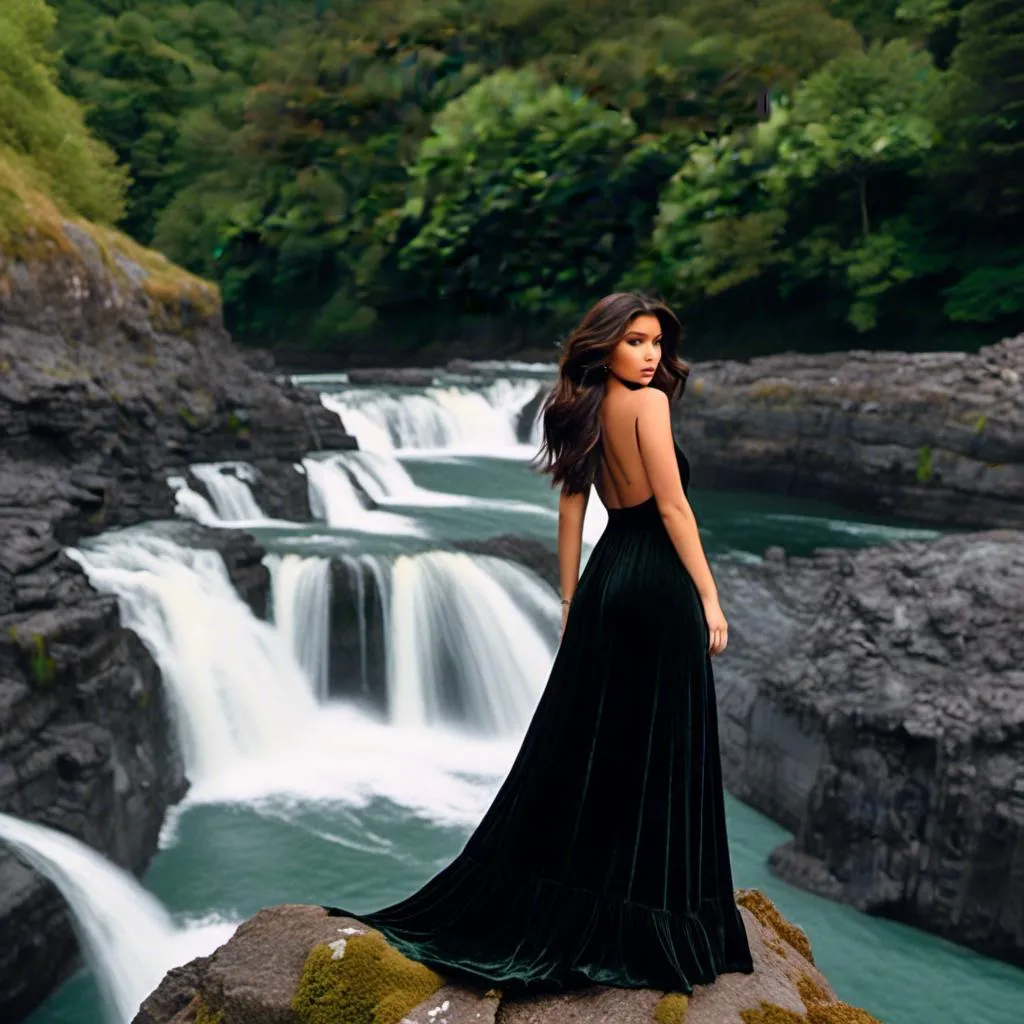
872, 701
115, 372
933, 437
294, 964
85, 745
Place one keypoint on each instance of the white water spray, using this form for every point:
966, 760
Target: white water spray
238, 694
469, 631
300, 591
466, 419
229, 484
128, 938
333, 497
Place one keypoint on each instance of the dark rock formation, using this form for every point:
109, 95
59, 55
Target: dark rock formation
412, 376
85, 746
115, 372
933, 437
872, 701
295, 965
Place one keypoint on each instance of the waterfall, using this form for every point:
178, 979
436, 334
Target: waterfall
126, 935
300, 590
237, 691
470, 639
229, 487
467, 419
334, 498
339, 479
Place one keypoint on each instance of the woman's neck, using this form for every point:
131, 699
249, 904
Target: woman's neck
631, 384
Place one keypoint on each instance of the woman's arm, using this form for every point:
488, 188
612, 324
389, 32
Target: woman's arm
571, 510
657, 449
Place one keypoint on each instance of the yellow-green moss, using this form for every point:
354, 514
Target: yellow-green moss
839, 1013
204, 1015
924, 464
771, 1013
671, 1009
32, 230
811, 992
44, 670
371, 983
780, 390
765, 911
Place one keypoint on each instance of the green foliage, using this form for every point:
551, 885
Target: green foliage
44, 129
524, 197
44, 669
341, 168
750, 204
924, 464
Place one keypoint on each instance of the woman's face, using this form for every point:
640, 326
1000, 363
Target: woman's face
637, 353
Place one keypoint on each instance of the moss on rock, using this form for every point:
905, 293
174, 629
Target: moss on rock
811, 992
365, 981
766, 912
771, 1013
35, 229
671, 1009
204, 1015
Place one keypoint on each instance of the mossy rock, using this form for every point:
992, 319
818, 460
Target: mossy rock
671, 1009
204, 1015
362, 980
766, 912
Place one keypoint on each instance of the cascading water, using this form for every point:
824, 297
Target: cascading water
128, 938
237, 691
300, 591
338, 480
480, 420
471, 640
334, 498
229, 486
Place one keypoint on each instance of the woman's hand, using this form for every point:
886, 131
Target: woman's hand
718, 628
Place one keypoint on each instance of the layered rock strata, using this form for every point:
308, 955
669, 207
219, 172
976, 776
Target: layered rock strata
872, 701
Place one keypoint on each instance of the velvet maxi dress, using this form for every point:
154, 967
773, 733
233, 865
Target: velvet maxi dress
603, 857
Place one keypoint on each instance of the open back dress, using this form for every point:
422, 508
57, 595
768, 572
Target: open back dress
603, 857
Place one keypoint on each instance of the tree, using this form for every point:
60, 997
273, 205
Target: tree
526, 196
46, 129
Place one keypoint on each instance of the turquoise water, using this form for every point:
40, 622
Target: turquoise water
230, 859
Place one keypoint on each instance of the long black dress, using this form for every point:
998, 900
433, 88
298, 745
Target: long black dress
603, 857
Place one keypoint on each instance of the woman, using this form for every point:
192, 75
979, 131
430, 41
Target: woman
603, 857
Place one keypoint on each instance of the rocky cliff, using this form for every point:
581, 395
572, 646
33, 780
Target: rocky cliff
296, 965
115, 372
872, 701
933, 437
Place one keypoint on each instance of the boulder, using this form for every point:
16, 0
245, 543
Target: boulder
294, 964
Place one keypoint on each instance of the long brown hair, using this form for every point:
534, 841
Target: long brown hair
571, 447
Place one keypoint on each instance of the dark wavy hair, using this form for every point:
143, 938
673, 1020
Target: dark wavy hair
571, 446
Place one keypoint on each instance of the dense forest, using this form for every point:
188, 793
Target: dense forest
373, 176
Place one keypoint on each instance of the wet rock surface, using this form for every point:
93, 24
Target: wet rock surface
929, 437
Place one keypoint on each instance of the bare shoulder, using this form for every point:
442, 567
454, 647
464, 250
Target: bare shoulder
651, 398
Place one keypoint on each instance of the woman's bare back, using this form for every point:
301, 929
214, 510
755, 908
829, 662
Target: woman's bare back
622, 477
